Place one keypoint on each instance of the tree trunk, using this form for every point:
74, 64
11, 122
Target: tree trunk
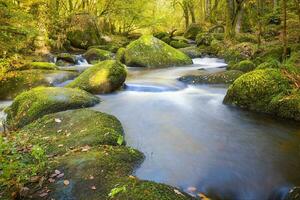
259, 12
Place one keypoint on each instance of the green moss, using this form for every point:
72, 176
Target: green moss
67, 58
244, 66
14, 82
149, 51
246, 37
120, 55
225, 77
192, 31
33, 104
84, 39
272, 63
255, 90
239, 52
59, 132
96, 55
104, 77
192, 52
179, 44
161, 35
41, 65
204, 39
218, 36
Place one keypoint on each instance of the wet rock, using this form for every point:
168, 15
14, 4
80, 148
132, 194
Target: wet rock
192, 52
225, 77
35, 103
16, 82
95, 55
66, 57
149, 51
104, 77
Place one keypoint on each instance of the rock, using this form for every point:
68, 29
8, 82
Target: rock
192, 31
177, 44
244, 66
204, 39
151, 52
76, 130
224, 77
192, 52
41, 65
35, 103
110, 168
94, 55
104, 77
257, 89
120, 55
14, 82
239, 52
66, 57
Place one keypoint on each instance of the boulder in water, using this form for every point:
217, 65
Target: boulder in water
94, 55
224, 77
35, 103
14, 82
151, 52
66, 57
104, 77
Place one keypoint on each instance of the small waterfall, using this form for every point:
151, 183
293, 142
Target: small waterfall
80, 60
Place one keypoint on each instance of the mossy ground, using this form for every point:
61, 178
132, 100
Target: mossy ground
149, 51
40, 101
104, 77
225, 77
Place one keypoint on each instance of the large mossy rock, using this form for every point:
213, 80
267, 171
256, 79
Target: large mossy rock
66, 57
15, 82
35, 103
105, 173
149, 51
255, 90
73, 129
192, 52
224, 77
94, 55
104, 77
192, 31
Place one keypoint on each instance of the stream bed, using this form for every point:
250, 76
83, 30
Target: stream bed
192, 140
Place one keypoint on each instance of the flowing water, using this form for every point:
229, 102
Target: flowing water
191, 139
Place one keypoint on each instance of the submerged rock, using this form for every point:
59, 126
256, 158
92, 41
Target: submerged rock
224, 77
73, 129
35, 103
94, 55
149, 51
104, 77
15, 82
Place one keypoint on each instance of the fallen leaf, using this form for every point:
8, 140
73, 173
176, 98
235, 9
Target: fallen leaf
60, 145
91, 177
93, 187
203, 197
66, 182
60, 175
57, 172
43, 194
178, 192
51, 180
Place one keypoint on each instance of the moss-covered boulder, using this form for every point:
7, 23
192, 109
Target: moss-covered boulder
192, 31
41, 65
95, 55
246, 37
177, 44
66, 57
14, 82
105, 173
272, 63
120, 55
237, 53
224, 77
149, 51
204, 39
104, 77
255, 90
192, 52
244, 66
57, 133
35, 103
